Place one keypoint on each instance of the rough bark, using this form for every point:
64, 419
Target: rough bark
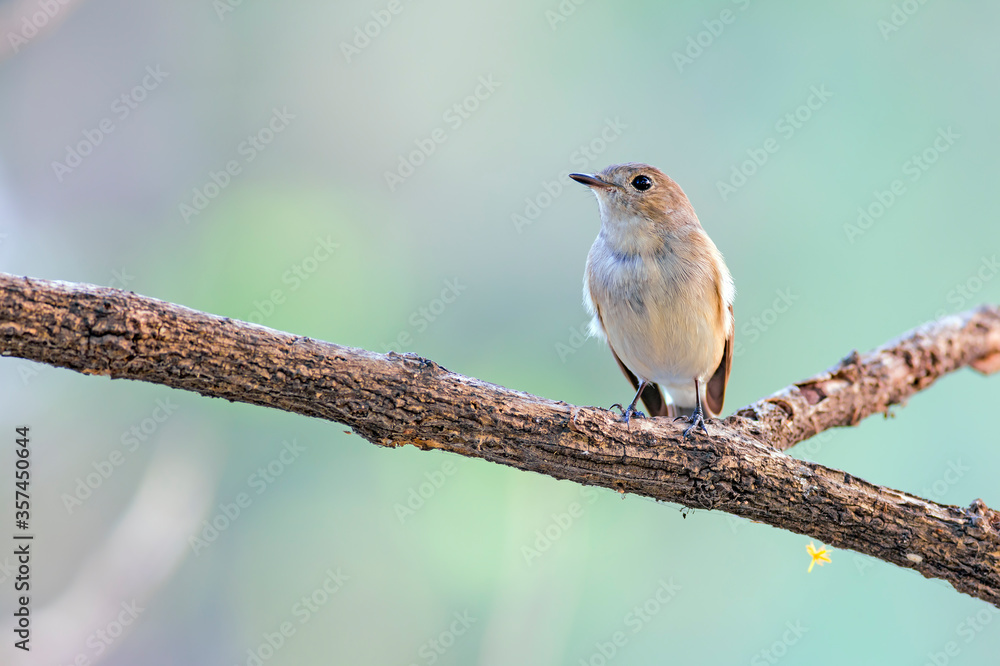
393, 399
862, 385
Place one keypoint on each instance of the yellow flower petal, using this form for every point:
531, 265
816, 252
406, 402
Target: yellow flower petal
820, 556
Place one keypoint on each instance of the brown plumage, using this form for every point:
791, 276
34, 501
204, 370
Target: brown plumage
660, 293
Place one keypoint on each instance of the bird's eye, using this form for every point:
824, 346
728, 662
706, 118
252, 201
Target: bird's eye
642, 183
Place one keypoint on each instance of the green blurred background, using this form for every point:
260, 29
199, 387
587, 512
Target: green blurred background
365, 555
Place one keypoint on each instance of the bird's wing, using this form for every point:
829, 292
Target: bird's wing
715, 390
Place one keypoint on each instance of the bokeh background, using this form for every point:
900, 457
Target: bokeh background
391, 175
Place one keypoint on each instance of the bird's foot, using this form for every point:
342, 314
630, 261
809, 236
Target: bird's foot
696, 420
628, 412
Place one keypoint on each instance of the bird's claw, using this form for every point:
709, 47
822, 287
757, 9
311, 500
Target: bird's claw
697, 420
628, 412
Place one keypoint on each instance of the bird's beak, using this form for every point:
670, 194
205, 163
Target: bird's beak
591, 181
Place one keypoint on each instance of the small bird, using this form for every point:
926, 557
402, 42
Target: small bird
660, 293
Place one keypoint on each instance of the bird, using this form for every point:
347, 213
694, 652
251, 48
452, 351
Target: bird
658, 290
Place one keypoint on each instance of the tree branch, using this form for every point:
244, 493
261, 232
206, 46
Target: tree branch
862, 385
393, 399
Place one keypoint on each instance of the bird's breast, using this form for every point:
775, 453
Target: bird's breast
659, 310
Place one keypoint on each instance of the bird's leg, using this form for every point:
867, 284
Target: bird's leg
631, 411
697, 418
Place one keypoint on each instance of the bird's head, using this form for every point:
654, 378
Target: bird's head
638, 197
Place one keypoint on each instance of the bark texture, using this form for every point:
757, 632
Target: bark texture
393, 400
